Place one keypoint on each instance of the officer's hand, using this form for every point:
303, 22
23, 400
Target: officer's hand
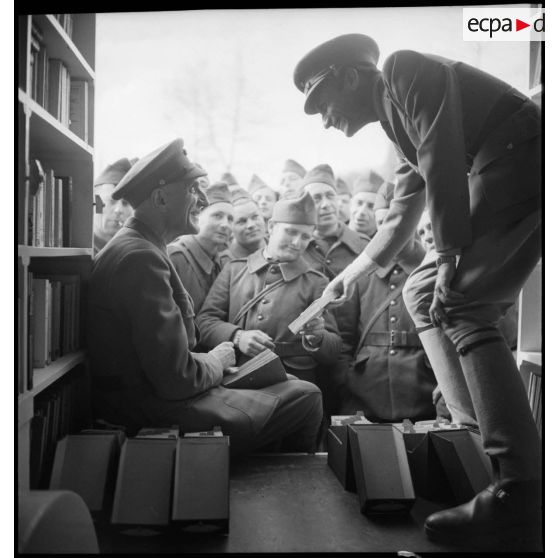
314, 331
342, 287
224, 353
443, 294
253, 341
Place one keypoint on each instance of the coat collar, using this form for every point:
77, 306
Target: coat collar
147, 232
190, 243
289, 270
350, 238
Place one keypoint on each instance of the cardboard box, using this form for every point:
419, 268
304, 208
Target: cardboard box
467, 467
86, 464
144, 483
201, 481
338, 454
382, 473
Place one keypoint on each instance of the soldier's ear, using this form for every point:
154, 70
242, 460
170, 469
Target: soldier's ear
159, 199
351, 78
270, 224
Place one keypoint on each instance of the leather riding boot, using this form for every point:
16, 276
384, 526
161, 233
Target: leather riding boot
501, 511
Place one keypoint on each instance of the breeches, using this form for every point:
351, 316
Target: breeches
490, 273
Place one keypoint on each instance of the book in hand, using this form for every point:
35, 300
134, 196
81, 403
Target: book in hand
260, 371
315, 309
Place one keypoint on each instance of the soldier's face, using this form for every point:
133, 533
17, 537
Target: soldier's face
185, 202
339, 106
424, 229
344, 207
362, 213
289, 183
215, 223
287, 241
115, 212
265, 198
326, 201
248, 223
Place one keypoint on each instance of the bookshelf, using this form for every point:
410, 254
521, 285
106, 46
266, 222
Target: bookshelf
55, 103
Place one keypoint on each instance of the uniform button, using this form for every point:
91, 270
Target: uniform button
395, 272
392, 303
509, 146
393, 352
273, 269
391, 287
393, 319
265, 301
328, 261
260, 317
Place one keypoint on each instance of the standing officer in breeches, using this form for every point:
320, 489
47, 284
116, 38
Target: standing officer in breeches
470, 149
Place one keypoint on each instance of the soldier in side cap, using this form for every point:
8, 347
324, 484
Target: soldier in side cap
263, 195
195, 257
141, 332
248, 228
362, 207
253, 300
344, 198
110, 214
470, 148
388, 375
291, 177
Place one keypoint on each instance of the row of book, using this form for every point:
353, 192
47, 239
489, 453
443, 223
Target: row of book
52, 86
59, 411
53, 322
49, 209
535, 396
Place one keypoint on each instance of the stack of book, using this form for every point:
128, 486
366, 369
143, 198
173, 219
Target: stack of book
52, 87
50, 209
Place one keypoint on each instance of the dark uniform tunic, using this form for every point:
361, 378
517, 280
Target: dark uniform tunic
195, 267
235, 252
389, 378
140, 334
240, 281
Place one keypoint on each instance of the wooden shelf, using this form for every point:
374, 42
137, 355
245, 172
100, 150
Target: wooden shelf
62, 47
43, 252
49, 137
44, 377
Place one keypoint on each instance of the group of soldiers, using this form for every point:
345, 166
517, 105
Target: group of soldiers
203, 276
379, 368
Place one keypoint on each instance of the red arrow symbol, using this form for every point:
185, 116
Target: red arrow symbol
519, 25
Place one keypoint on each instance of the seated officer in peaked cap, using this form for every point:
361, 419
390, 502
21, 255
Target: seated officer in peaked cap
141, 332
109, 217
248, 228
470, 148
195, 257
253, 300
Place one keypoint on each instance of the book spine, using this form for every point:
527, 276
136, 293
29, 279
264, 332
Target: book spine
30, 331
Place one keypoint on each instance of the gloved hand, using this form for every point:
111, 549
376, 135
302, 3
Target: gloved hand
343, 284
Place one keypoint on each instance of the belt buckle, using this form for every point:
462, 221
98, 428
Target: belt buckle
392, 338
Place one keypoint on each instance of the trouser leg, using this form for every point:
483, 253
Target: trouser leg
509, 433
449, 375
296, 419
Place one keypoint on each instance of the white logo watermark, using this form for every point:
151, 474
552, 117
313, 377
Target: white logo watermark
503, 24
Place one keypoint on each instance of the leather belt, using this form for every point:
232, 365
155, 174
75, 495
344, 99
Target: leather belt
392, 338
290, 349
509, 102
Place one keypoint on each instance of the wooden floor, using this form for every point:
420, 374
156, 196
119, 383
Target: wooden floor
294, 503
